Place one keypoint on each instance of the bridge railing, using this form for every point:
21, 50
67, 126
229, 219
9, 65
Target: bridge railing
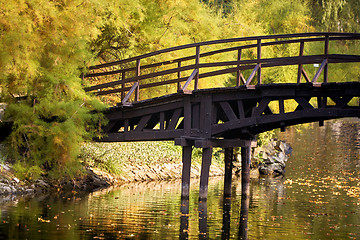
127, 77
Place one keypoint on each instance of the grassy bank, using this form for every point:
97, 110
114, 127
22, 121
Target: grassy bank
140, 161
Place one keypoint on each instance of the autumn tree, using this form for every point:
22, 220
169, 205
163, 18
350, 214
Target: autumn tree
44, 46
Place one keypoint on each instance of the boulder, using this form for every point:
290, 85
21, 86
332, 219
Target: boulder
271, 158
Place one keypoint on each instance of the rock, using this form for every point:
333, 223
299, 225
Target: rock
16, 180
5, 167
41, 184
272, 158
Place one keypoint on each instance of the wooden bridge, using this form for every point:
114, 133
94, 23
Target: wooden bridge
193, 114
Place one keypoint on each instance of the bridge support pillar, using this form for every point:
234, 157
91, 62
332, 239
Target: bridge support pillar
245, 191
205, 169
207, 145
245, 170
185, 182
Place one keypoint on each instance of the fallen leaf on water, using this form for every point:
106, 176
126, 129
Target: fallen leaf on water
40, 219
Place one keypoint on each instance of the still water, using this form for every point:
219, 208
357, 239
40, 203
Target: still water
317, 199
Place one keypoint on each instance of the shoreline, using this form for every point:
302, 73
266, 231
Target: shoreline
94, 179
111, 165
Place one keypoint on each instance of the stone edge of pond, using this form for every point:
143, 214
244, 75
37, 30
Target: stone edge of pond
95, 179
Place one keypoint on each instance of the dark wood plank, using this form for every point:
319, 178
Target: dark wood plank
319, 71
186, 170
191, 77
228, 111
143, 121
204, 175
300, 67
248, 81
131, 91
162, 121
259, 58
343, 101
303, 103
174, 119
197, 61
262, 106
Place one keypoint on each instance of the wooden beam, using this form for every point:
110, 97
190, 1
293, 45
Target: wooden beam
204, 175
191, 77
137, 74
321, 68
239, 75
197, 61
259, 63
174, 119
300, 67
326, 53
248, 81
186, 170
126, 98
228, 111
179, 76
142, 123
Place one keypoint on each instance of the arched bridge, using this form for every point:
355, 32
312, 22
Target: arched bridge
240, 111
193, 114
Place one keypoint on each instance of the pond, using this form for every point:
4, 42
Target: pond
317, 199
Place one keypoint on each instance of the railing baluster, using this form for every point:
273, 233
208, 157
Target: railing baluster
128, 95
239, 75
179, 76
137, 92
197, 61
326, 52
250, 78
122, 85
259, 58
321, 68
300, 67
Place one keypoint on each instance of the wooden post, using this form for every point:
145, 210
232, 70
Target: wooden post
185, 180
187, 115
179, 76
326, 52
137, 91
205, 169
245, 190
300, 67
245, 170
197, 61
122, 85
259, 58
229, 155
238, 73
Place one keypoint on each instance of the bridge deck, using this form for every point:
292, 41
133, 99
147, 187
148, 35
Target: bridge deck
231, 113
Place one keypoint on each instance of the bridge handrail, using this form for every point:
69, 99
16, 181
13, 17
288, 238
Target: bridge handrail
255, 64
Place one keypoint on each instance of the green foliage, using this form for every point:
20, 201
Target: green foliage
336, 15
43, 46
3, 154
263, 138
25, 171
113, 157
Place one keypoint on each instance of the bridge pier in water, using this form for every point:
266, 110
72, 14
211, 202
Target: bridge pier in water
207, 146
203, 188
